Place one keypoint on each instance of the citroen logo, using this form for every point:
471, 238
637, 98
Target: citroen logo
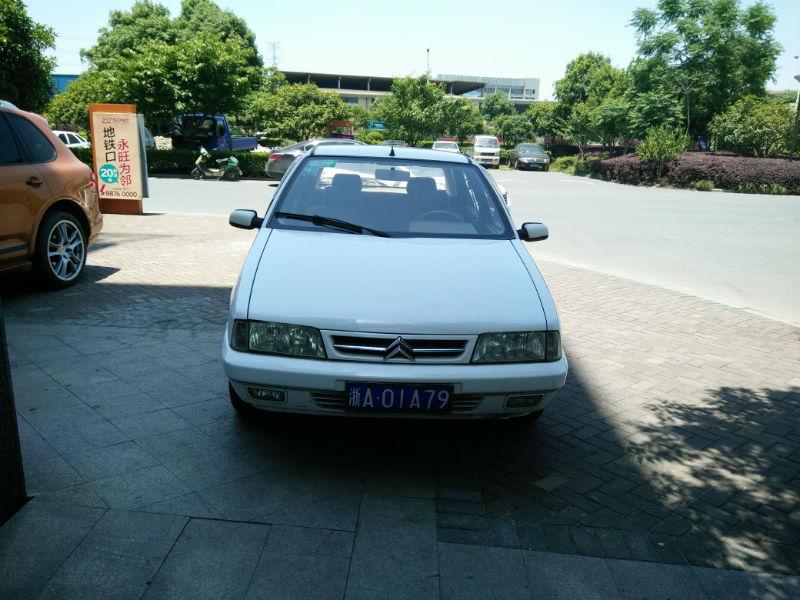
399, 349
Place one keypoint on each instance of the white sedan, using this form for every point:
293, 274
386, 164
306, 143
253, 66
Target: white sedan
391, 282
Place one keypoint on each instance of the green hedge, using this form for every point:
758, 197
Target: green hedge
181, 162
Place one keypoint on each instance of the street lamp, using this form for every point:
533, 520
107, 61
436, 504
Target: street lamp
796, 132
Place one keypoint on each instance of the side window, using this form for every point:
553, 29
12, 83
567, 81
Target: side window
39, 146
63, 138
73, 139
9, 153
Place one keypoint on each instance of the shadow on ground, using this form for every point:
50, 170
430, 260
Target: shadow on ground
709, 484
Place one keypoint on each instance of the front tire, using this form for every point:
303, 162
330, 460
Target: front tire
60, 254
197, 173
242, 408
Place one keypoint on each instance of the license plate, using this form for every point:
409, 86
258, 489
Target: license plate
392, 397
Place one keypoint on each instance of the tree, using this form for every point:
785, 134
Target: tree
513, 129
128, 30
494, 105
71, 108
612, 121
654, 108
542, 116
413, 111
460, 118
589, 79
662, 145
205, 17
579, 127
301, 111
146, 59
754, 126
26, 71
709, 53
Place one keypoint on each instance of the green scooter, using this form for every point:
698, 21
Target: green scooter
225, 168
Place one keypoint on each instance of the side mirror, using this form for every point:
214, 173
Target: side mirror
533, 232
245, 219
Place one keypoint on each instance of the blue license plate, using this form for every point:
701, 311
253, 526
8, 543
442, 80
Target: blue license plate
392, 397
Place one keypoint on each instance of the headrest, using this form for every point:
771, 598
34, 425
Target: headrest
421, 185
346, 182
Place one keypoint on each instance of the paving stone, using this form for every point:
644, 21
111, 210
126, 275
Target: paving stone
36, 541
117, 559
652, 581
480, 572
136, 489
50, 475
211, 559
111, 460
568, 577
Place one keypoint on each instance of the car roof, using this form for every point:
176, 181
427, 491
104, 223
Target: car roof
385, 152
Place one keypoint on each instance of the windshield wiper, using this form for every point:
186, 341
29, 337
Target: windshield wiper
321, 221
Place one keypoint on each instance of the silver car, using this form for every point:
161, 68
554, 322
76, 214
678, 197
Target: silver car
280, 158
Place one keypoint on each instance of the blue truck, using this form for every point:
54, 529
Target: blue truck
212, 132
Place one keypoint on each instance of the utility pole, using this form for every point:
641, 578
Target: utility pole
274, 46
796, 133
12, 478
428, 62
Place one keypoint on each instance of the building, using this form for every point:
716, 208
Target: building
60, 82
523, 91
364, 89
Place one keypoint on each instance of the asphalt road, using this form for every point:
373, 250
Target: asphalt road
741, 250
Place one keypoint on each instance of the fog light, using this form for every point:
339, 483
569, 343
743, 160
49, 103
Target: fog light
523, 401
266, 394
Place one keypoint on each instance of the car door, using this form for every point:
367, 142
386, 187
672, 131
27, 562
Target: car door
23, 191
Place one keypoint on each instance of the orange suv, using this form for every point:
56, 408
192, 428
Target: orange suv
49, 213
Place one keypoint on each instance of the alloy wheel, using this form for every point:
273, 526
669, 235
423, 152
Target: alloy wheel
66, 250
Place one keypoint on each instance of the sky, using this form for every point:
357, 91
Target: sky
389, 38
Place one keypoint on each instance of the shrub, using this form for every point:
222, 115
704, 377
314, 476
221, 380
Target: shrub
661, 145
734, 173
564, 164
754, 127
702, 185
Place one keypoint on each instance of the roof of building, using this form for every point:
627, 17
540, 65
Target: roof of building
384, 152
370, 82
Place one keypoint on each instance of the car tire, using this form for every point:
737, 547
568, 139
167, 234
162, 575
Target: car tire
242, 408
63, 265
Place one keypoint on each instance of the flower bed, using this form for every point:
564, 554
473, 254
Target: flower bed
734, 173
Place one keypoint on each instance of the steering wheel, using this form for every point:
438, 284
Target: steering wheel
451, 216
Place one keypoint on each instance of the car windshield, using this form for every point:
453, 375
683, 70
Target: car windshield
197, 127
487, 142
450, 145
403, 198
530, 149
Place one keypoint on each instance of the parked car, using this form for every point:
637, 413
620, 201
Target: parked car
398, 143
411, 301
446, 146
212, 132
529, 156
280, 158
72, 140
486, 151
49, 213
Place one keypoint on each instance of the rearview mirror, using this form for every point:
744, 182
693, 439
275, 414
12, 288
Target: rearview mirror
245, 219
533, 232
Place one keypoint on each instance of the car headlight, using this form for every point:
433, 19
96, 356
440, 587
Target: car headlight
518, 346
277, 338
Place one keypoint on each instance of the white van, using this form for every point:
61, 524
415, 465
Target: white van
486, 151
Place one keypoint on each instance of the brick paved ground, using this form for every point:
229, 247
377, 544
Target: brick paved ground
676, 442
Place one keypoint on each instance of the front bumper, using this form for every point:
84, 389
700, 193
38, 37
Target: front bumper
318, 386
533, 165
487, 160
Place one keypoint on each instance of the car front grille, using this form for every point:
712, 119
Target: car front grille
460, 403
375, 347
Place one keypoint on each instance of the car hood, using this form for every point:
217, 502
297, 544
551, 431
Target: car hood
351, 282
533, 155
486, 149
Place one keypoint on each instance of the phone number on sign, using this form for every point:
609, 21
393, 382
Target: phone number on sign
120, 194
